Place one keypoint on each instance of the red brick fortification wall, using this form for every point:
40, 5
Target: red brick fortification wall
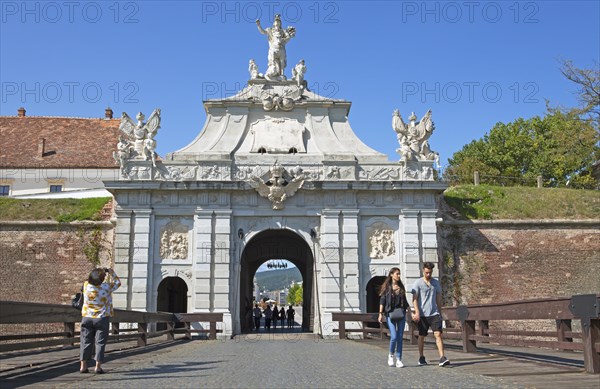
45, 261
496, 261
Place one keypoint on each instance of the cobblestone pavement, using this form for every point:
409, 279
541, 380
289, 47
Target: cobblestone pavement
274, 361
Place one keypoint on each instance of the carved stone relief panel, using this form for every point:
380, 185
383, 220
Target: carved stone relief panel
174, 240
381, 243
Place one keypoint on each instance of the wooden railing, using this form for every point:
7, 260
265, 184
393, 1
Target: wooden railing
475, 320
17, 313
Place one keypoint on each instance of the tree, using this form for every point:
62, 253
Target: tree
588, 81
561, 146
294, 296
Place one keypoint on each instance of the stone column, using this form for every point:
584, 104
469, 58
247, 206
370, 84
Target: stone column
429, 239
350, 261
123, 253
222, 239
410, 239
140, 276
203, 260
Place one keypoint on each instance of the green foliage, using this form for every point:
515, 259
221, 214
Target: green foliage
494, 202
277, 279
560, 147
61, 210
94, 244
295, 293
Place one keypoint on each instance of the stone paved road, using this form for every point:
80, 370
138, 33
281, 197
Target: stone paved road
274, 362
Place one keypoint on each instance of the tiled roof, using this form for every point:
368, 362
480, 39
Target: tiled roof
54, 142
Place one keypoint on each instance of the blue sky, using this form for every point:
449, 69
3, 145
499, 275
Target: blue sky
473, 63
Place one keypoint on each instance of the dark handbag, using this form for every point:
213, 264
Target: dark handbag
397, 314
77, 301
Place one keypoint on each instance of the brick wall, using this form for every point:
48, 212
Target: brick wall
45, 261
498, 261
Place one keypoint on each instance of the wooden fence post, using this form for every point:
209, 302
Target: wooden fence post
468, 329
213, 330
590, 335
414, 339
476, 178
484, 327
171, 328
70, 332
342, 329
540, 182
143, 331
188, 332
563, 326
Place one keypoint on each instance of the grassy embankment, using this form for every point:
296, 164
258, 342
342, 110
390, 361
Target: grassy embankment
61, 210
472, 202
517, 202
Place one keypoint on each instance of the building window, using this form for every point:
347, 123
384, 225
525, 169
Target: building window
55, 188
4, 190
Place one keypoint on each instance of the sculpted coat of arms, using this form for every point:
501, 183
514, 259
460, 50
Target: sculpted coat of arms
278, 187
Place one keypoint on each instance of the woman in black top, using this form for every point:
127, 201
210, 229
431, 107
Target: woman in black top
393, 296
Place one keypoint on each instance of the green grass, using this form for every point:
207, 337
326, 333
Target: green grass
61, 210
517, 202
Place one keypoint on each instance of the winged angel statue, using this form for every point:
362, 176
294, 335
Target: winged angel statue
277, 189
414, 137
143, 134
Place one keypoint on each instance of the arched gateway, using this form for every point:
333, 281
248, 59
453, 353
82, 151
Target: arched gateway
276, 173
276, 244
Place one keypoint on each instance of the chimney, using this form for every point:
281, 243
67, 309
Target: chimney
41, 147
21, 112
108, 113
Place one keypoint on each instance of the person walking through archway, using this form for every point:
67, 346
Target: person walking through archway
282, 316
290, 316
393, 304
257, 314
268, 316
275, 316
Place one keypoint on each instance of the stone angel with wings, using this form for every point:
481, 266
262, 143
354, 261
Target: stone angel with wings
143, 134
413, 137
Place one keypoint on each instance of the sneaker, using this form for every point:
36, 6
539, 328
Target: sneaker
399, 363
390, 360
422, 361
444, 361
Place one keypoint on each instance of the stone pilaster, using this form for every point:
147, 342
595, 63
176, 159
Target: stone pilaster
122, 259
222, 260
329, 261
411, 246
350, 263
141, 279
204, 259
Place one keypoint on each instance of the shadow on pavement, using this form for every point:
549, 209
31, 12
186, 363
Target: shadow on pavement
53, 369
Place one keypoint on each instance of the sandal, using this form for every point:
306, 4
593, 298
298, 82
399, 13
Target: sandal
99, 371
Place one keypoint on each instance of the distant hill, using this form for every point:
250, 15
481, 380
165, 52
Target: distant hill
277, 279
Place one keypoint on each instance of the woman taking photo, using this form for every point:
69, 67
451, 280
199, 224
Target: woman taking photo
95, 314
393, 305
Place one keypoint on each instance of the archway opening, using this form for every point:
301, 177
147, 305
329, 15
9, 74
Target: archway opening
373, 297
172, 297
276, 245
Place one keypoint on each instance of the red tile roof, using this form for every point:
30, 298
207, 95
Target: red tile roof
53, 142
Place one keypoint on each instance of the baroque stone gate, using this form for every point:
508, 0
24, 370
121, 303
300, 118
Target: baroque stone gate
276, 173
